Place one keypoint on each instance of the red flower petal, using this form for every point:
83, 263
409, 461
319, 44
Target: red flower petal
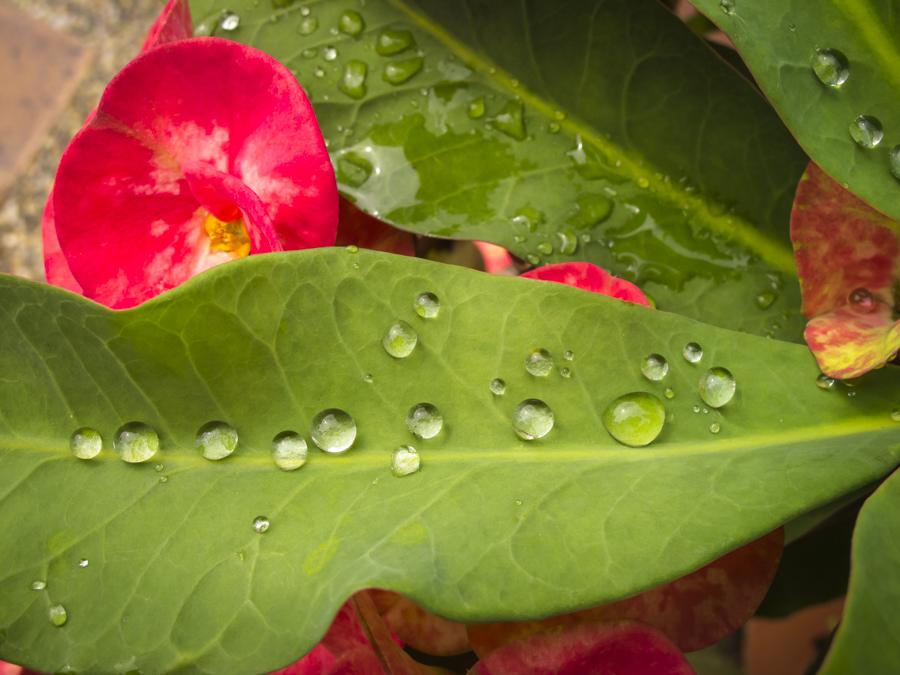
497, 259
622, 648
173, 23
589, 277
191, 128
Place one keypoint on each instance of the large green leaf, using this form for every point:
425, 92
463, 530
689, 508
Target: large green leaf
635, 135
779, 41
492, 527
868, 639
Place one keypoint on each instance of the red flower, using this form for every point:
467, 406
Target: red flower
589, 277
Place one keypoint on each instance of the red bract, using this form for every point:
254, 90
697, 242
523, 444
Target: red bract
173, 23
589, 277
419, 628
200, 151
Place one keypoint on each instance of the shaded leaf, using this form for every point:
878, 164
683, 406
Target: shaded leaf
360, 229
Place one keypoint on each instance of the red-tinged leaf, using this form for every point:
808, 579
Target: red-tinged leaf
173, 23
589, 277
10, 669
497, 259
171, 144
694, 611
846, 251
359, 228
419, 628
615, 648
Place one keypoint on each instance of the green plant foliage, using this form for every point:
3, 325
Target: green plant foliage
854, 46
866, 641
490, 527
599, 131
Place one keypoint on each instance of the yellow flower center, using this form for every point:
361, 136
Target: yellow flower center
228, 237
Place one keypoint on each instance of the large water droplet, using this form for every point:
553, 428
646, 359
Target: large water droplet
86, 443
392, 42
351, 23
532, 419
831, 67
136, 442
308, 25
654, 367
895, 161
727, 6
289, 450
405, 460
866, 131
498, 387
863, 300
216, 440
57, 615
717, 387
511, 120
353, 79
229, 21
567, 242
765, 299
692, 352
333, 430
427, 305
825, 382
476, 108
398, 72
539, 363
635, 419
261, 524
424, 420
593, 209
400, 340
38, 585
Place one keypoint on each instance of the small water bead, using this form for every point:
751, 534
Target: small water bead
333, 431
568, 355
705, 411
86, 443
405, 461
567, 242
329, 53
533, 259
894, 159
400, 340
715, 428
863, 300
158, 468
367, 378
353, 79
261, 524
831, 67
717, 387
539, 363
532, 419
565, 372
136, 442
655, 367
498, 386
825, 382
38, 585
695, 408
398, 72
351, 23
727, 6
427, 305
289, 450
216, 440
319, 72
635, 419
866, 131
58, 615
692, 352
669, 393
511, 120
390, 42
229, 21
765, 299
424, 420
476, 109
308, 25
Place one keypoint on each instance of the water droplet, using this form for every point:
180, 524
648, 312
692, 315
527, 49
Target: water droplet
400, 340
163, 479
329, 53
565, 372
427, 305
695, 408
476, 108
519, 502
895, 161
498, 387
58, 615
705, 411
390, 42
353, 80
333, 430
851, 394
38, 585
351, 23
532, 419
727, 6
593, 209
553, 128
654, 367
216, 440
261, 524
304, 11
569, 355
895, 414
398, 72
863, 300
229, 21
545, 248
533, 259
825, 382
136, 442
692, 352
289, 450
765, 299
669, 393
568, 242
717, 387
511, 120
635, 419
714, 428
424, 420
539, 363
84, 562
367, 378
830, 67
308, 25
866, 131
86, 443
405, 460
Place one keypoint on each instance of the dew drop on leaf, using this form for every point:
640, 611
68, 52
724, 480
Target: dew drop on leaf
715, 428
831, 67
38, 585
405, 460
654, 367
539, 363
825, 382
511, 120
669, 393
390, 42
476, 109
216, 440
136, 442
866, 131
353, 79
895, 161
351, 23
424, 420
308, 25
545, 248
84, 562
352, 248
692, 352
635, 419
532, 419
86, 443
427, 305
765, 299
333, 431
261, 524
398, 72
58, 615
568, 355
289, 450
367, 378
565, 372
329, 53
695, 408
863, 300
400, 340
717, 387
498, 386
229, 21
727, 6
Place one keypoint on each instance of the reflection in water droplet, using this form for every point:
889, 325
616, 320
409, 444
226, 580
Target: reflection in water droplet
333, 431
539, 363
353, 79
424, 420
498, 387
654, 367
229, 21
405, 460
261, 524
635, 419
727, 6
58, 615
863, 300
400, 340
532, 419
86, 443
895, 161
692, 352
329, 53
308, 25
398, 72
866, 131
289, 450
717, 387
825, 382
714, 428
38, 585
392, 42
216, 440
427, 305
84, 562
351, 23
831, 67
765, 299
136, 442
511, 120
669, 393
476, 109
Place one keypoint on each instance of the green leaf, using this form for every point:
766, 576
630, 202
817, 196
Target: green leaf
537, 124
491, 528
779, 41
868, 639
